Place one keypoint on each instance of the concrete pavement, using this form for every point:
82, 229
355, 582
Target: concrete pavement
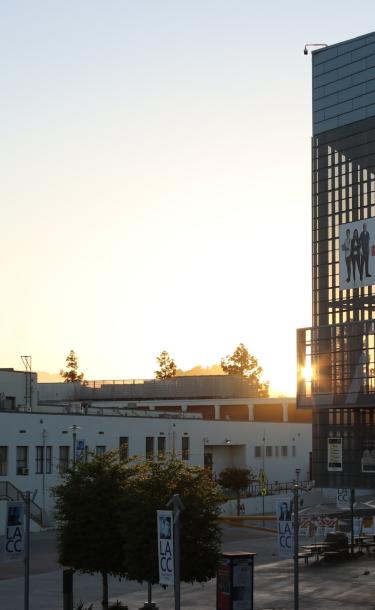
348, 585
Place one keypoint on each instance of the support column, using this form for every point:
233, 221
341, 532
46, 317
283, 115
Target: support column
250, 407
285, 411
217, 411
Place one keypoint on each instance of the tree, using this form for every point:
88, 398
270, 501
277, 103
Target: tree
89, 505
237, 480
152, 485
242, 363
167, 366
106, 515
71, 374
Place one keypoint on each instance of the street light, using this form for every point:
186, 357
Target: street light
74, 428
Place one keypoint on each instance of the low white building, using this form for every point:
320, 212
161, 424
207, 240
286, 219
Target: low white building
70, 421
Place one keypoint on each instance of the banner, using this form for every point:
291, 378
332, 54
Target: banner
357, 254
80, 450
343, 498
334, 454
326, 525
165, 547
368, 456
285, 526
14, 535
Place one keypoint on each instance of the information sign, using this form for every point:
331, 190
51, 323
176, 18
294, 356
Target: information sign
14, 535
165, 547
285, 526
334, 454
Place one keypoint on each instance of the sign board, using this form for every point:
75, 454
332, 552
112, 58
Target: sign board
343, 498
80, 450
242, 583
334, 451
357, 254
285, 526
14, 534
368, 456
165, 547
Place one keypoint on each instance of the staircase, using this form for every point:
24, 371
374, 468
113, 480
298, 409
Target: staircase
8, 491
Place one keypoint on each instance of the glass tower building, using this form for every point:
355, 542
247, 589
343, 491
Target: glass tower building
336, 356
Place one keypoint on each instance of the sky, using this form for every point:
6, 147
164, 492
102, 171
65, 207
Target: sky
155, 180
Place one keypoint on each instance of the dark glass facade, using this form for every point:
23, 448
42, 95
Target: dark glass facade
339, 348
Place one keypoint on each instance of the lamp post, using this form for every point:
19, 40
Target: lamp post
74, 428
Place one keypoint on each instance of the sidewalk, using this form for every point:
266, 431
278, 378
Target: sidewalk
348, 585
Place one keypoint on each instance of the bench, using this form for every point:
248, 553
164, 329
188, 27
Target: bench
305, 555
337, 554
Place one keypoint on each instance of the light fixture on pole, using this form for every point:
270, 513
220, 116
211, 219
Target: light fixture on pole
308, 45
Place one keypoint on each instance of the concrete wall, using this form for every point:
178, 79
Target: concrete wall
32, 429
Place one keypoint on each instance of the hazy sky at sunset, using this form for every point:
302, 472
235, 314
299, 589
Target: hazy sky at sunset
155, 179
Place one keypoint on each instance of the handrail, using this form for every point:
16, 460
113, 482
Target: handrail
8, 491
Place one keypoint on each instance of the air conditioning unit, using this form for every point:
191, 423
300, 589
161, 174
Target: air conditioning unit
28, 409
22, 471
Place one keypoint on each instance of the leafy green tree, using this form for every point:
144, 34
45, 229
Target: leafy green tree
242, 363
167, 366
71, 374
237, 480
89, 506
152, 485
106, 515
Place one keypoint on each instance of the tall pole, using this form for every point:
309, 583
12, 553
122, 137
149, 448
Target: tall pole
352, 499
74, 448
27, 550
296, 566
263, 466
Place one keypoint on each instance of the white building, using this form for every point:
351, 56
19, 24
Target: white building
210, 422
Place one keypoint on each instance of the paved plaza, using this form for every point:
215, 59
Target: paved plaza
349, 584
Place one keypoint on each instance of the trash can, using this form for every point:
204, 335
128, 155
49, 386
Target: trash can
235, 580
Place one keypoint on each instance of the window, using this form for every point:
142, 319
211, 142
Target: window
39, 459
149, 447
49, 459
269, 451
64, 451
161, 447
284, 451
3, 461
258, 451
185, 446
100, 449
43, 455
124, 447
22, 460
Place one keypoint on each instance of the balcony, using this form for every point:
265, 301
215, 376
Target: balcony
336, 365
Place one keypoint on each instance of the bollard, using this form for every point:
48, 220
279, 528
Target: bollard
68, 589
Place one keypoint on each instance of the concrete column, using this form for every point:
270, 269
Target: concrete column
184, 407
285, 411
250, 407
217, 411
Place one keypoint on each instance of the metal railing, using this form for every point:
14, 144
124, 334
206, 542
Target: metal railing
8, 491
272, 489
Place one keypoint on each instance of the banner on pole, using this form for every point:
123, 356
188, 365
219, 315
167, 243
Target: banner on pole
285, 526
165, 547
15, 533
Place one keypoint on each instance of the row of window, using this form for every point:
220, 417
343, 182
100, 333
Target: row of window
44, 457
270, 451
